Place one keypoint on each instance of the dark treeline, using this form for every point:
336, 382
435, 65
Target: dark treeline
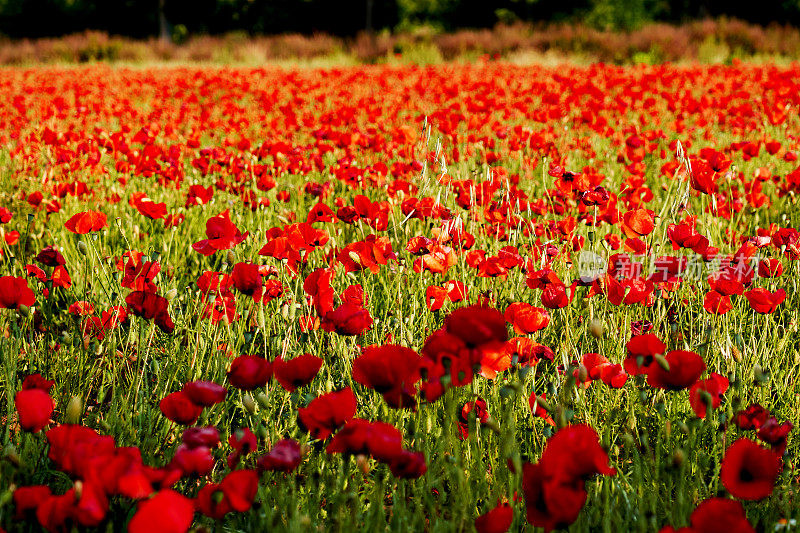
176, 18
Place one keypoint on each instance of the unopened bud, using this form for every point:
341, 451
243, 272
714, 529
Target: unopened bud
11, 455
260, 318
758, 372
596, 328
737, 355
583, 374
74, 409
678, 457
82, 247
171, 294
249, 404
544, 404
354, 257
363, 463
706, 398
262, 400
662, 362
230, 257
25, 311
78, 486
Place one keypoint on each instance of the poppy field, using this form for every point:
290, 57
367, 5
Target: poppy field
464, 297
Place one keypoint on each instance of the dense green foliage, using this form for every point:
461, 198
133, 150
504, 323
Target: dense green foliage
140, 18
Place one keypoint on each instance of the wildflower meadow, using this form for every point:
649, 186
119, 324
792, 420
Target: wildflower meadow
462, 297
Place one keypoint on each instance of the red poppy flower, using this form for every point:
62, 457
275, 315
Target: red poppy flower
720, 514
236, 494
770, 268
752, 417
27, 499
638, 223
574, 452
347, 319
717, 303
72, 447
285, 456
684, 369
88, 221
641, 349
390, 370
246, 277
54, 512
526, 318
196, 437
296, 372
381, 440
179, 408
549, 505
192, 461
498, 520
34, 407
36, 381
327, 413
775, 434
248, 372
148, 207
151, 306
222, 235
763, 301
205, 393
749, 471
15, 292
477, 326
408, 465
50, 256
714, 387
554, 487
167, 511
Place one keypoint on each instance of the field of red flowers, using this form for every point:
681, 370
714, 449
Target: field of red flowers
455, 298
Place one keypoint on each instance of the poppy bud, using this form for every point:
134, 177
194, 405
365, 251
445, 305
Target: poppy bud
24, 310
354, 257
596, 328
678, 457
285, 311
737, 355
249, 404
544, 404
363, 463
260, 318
10, 453
492, 424
82, 247
583, 373
758, 372
171, 294
78, 486
561, 417
74, 409
628, 440
662, 362
261, 432
705, 397
230, 257
262, 399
